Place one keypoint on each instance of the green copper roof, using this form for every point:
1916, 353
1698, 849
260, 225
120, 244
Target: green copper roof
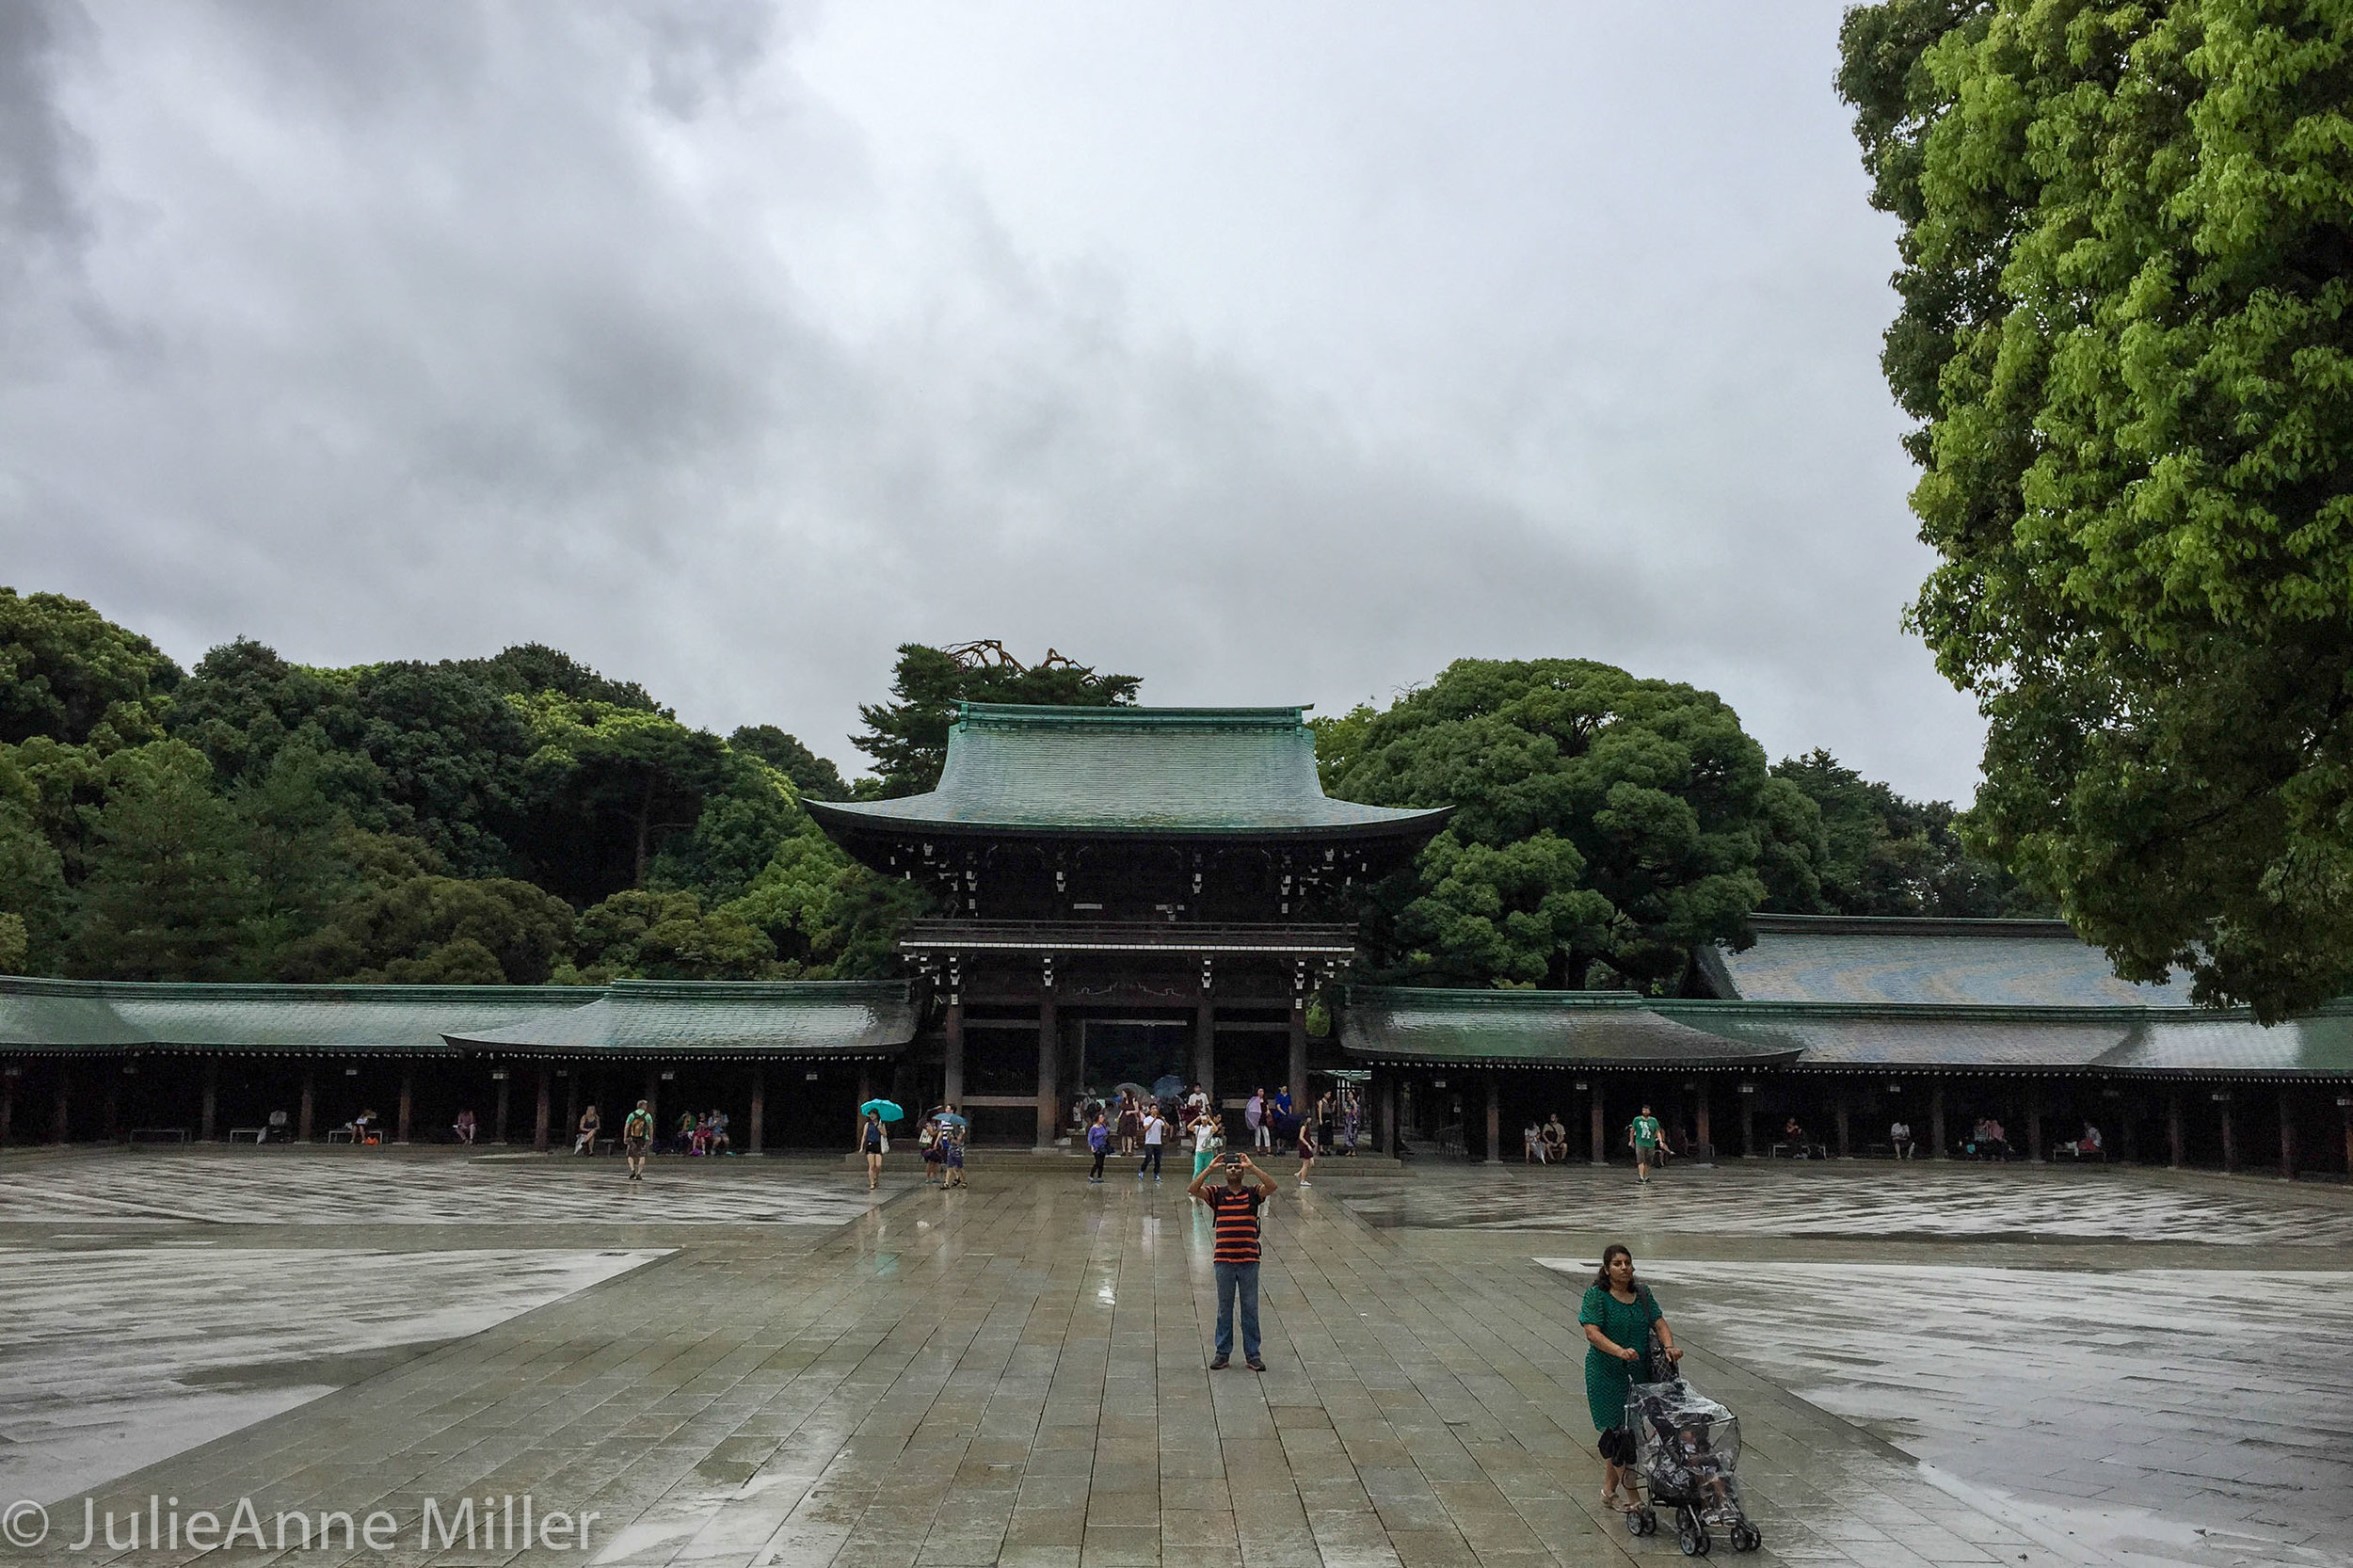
1991, 963
1143, 771
1553, 1029
719, 1018
714, 1017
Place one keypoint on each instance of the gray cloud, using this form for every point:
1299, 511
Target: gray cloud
1269, 357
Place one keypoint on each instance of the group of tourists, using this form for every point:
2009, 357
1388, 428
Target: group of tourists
698, 1133
1203, 1130
1546, 1143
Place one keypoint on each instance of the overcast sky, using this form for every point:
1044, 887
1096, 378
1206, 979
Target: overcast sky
1274, 354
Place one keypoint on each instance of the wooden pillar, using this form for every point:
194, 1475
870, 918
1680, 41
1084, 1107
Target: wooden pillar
1940, 1149
952, 1090
306, 1118
1495, 1118
1846, 1134
654, 1103
2034, 1122
114, 1105
572, 1111
758, 1140
1050, 1065
540, 1107
1205, 1045
1388, 1117
61, 1123
498, 1126
1296, 1062
2287, 1138
1748, 1121
1707, 1135
2344, 1114
2229, 1135
212, 1100
8, 1108
1594, 1116
2173, 1129
408, 1100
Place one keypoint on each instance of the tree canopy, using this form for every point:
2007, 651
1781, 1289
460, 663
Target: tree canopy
2127, 269
908, 737
1605, 829
1881, 853
506, 819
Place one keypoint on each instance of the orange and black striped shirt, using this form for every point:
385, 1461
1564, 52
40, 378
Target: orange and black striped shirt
1237, 1213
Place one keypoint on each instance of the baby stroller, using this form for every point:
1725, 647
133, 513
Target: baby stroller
1687, 1453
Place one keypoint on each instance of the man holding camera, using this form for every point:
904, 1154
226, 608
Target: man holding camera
1234, 1202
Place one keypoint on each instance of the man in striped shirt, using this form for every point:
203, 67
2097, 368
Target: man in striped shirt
1234, 1191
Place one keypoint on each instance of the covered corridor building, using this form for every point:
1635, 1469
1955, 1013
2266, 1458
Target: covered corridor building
1124, 893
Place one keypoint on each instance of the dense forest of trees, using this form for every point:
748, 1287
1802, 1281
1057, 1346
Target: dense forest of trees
523, 819
1606, 827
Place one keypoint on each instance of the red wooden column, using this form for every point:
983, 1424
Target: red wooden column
2173, 1128
1495, 1118
306, 1118
7, 1106
2230, 1132
1936, 1122
1595, 1116
59, 1121
2287, 1138
1706, 1136
2345, 1110
498, 1122
408, 1100
212, 1099
2034, 1122
539, 1114
758, 1140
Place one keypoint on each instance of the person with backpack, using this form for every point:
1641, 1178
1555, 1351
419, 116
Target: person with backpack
1649, 1139
1099, 1142
637, 1137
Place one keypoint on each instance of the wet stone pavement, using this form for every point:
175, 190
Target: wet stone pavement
1017, 1373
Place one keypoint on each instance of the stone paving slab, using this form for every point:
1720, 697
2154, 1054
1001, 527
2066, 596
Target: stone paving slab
1016, 1374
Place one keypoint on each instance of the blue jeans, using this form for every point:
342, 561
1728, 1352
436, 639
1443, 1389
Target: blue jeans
1237, 1279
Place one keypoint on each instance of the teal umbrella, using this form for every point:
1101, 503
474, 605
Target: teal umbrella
884, 1108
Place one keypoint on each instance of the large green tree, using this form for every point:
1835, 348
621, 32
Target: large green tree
171, 889
2127, 332
1882, 854
441, 929
1600, 820
908, 737
68, 673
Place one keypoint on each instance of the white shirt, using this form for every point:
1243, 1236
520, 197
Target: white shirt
1153, 1128
1204, 1137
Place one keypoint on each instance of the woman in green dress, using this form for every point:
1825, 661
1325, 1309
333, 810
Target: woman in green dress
1619, 1314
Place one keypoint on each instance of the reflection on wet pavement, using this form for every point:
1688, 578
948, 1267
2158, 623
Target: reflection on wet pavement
302, 1187
1882, 1202
2164, 1414
112, 1359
